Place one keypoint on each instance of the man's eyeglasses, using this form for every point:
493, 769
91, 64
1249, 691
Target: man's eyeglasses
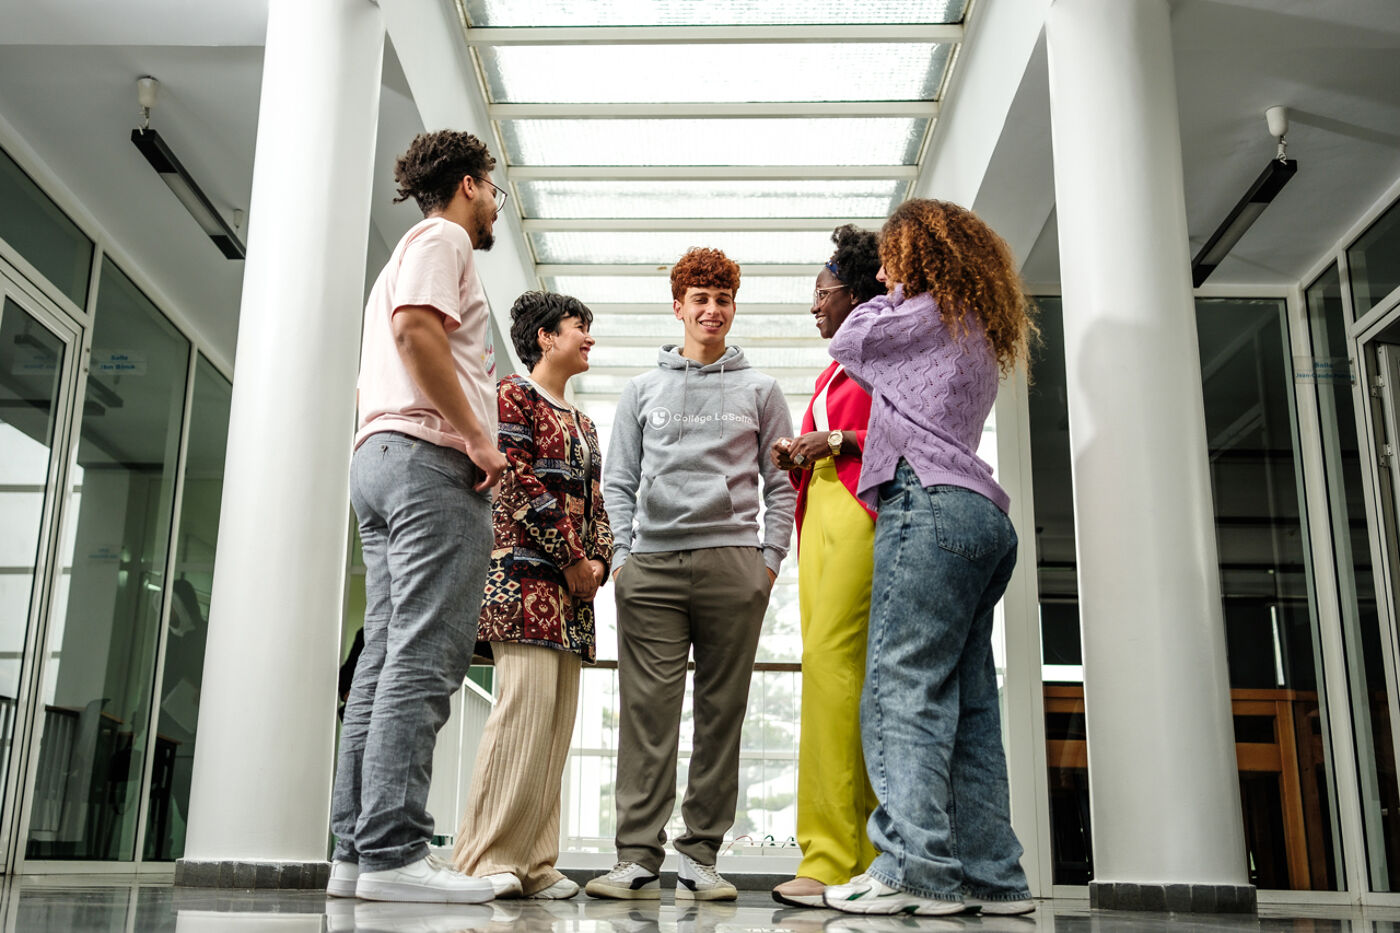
819, 294
500, 193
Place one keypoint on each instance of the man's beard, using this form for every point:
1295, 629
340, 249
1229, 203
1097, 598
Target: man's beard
485, 239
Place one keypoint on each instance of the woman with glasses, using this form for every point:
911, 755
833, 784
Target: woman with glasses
932, 353
836, 533
553, 545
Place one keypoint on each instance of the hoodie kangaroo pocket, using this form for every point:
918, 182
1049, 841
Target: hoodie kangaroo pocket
685, 499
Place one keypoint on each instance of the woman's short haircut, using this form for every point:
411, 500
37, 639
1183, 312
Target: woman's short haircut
702, 267
857, 261
534, 310
435, 164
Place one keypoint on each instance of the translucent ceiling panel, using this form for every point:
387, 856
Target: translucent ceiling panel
817, 71
763, 357
666, 247
778, 198
647, 289
796, 385
663, 326
710, 13
789, 141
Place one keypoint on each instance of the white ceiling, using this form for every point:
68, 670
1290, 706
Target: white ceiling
1336, 66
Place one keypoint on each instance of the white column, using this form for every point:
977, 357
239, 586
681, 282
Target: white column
1162, 772
263, 759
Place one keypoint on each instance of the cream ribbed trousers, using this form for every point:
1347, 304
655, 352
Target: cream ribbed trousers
512, 818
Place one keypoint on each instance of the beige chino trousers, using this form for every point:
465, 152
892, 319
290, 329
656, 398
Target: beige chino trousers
711, 600
512, 818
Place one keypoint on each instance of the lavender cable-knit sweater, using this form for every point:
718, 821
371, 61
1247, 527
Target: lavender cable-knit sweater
931, 394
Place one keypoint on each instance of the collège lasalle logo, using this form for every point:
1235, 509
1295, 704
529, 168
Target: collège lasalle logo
660, 417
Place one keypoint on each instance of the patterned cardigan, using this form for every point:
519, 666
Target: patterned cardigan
546, 515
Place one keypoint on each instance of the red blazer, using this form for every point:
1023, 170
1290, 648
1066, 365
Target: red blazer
847, 409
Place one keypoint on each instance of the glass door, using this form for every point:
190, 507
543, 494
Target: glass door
36, 359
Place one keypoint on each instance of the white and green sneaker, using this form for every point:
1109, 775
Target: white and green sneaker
865, 895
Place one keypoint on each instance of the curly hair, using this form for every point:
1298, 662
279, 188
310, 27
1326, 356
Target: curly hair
947, 251
435, 164
857, 260
534, 310
701, 267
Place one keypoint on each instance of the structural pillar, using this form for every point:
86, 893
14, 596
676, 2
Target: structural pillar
260, 801
1167, 829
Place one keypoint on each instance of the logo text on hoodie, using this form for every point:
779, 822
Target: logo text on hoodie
661, 416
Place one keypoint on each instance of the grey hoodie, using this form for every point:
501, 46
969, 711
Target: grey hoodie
688, 447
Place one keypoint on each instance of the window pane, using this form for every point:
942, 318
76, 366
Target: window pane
106, 618
647, 289
815, 71
1375, 262
189, 614
1333, 378
789, 141
31, 367
1270, 618
777, 198
653, 247
714, 13
41, 233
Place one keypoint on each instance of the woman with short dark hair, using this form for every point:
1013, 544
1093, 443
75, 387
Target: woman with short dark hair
552, 550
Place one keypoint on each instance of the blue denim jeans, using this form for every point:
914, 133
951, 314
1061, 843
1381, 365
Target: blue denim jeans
427, 539
930, 722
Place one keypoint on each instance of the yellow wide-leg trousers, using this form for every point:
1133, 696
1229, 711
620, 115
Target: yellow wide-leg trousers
834, 798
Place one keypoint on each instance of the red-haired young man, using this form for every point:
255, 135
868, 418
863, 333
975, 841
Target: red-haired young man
686, 469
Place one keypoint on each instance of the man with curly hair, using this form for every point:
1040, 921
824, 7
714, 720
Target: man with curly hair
424, 464
682, 484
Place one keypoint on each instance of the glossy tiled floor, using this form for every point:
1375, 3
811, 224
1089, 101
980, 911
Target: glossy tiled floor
85, 905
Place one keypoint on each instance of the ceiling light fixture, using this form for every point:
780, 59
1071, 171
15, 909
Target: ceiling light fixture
1265, 188
178, 179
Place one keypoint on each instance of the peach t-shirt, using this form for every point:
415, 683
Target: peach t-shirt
432, 266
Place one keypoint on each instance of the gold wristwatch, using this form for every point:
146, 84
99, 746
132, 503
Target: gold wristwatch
833, 440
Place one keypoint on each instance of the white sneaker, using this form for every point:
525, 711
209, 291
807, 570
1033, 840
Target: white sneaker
419, 918
627, 881
697, 882
503, 884
343, 878
1001, 908
865, 895
426, 881
561, 890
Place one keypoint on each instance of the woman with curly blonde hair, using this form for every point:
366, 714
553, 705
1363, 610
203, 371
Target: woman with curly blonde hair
931, 354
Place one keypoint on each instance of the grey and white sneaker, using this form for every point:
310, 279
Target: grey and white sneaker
1001, 908
866, 895
627, 881
697, 882
343, 878
426, 881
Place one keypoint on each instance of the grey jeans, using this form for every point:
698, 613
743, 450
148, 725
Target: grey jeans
427, 540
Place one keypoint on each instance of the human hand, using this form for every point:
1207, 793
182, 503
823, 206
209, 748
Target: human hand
803, 452
490, 461
772, 577
600, 571
779, 454
579, 578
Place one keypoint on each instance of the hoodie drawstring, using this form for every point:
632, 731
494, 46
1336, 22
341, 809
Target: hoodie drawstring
685, 397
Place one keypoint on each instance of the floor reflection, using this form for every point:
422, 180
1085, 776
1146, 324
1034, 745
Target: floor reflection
48, 905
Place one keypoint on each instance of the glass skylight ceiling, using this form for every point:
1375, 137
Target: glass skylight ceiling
816, 71
711, 12
836, 198
631, 130
748, 247
756, 141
